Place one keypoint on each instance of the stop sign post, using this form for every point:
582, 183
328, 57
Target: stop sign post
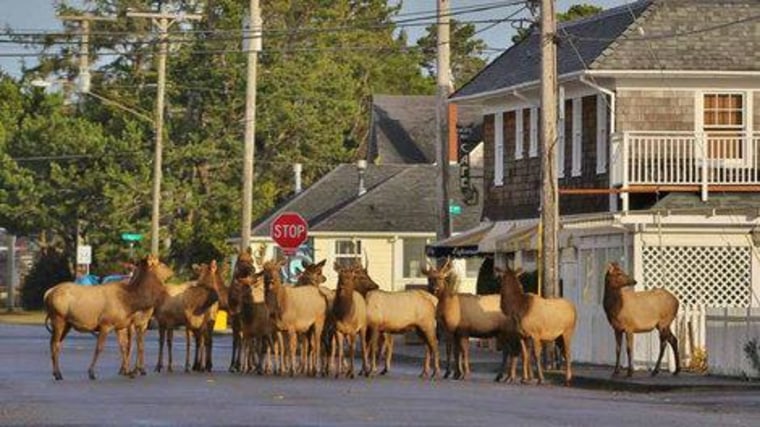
289, 230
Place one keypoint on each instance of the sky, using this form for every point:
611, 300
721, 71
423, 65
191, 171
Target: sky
39, 15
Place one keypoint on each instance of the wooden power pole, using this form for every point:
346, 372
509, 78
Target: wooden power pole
443, 83
84, 45
252, 46
549, 191
162, 20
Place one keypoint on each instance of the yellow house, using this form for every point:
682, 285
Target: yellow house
384, 215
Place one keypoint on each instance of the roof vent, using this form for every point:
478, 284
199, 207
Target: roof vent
361, 168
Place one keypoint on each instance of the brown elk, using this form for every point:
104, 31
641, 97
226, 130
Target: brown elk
295, 310
259, 334
396, 312
349, 312
244, 269
633, 312
464, 315
101, 309
191, 305
537, 319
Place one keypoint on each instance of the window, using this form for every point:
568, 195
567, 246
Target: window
347, 252
602, 134
414, 257
519, 129
533, 149
472, 266
577, 136
498, 155
723, 124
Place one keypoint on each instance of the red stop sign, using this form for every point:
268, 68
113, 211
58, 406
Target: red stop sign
289, 230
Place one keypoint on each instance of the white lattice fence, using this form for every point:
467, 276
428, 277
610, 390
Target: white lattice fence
700, 276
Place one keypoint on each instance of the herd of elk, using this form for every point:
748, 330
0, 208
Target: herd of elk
262, 310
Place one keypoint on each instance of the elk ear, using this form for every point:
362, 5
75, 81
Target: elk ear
519, 272
336, 267
426, 269
197, 268
611, 267
321, 264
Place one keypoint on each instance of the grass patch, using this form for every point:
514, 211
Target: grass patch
22, 317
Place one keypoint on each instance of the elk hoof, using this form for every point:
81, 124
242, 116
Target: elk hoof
384, 371
497, 379
615, 373
655, 372
676, 371
629, 374
446, 374
57, 376
91, 374
169, 369
157, 368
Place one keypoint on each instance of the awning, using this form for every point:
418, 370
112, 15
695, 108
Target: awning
488, 242
524, 237
461, 245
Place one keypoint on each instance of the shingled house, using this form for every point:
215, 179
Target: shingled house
658, 164
386, 209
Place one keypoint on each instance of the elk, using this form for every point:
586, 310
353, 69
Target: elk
396, 312
101, 309
464, 315
537, 319
191, 305
633, 312
244, 269
349, 312
258, 332
295, 310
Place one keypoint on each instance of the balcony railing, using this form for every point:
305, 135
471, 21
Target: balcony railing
685, 159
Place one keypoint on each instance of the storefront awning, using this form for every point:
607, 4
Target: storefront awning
462, 245
488, 242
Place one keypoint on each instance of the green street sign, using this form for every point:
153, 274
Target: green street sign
131, 237
455, 209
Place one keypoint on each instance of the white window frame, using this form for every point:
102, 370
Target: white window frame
561, 134
602, 134
533, 148
747, 124
498, 152
577, 149
519, 132
357, 254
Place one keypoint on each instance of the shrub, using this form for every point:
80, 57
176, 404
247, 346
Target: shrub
50, 268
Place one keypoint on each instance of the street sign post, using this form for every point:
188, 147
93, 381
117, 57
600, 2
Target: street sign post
289, 230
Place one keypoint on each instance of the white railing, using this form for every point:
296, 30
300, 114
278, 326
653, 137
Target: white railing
684, 158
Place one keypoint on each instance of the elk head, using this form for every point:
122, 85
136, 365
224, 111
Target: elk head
616, 278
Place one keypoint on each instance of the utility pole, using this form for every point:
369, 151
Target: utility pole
162, 20
84, 45
443, 83
549, 192
252, 45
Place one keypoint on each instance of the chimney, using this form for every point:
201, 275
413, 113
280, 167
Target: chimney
361, 167
297, 167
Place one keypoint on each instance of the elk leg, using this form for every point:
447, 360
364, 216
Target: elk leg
140, 336
351, 354
169, 344
656, 369
363, 344
374, 338
102, 334
123, 339
60, 329
187, 349
464, 357
235, 344
673, 341
537, 354
618, 343
388, 346
317, 338
449, 338
209, 345
629, 348
566, 354
339, 344
161, 341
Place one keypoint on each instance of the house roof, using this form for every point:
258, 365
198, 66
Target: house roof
403, 128
730, 202
399, 198
645, 35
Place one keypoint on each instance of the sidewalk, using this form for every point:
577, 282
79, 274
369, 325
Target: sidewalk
589, 376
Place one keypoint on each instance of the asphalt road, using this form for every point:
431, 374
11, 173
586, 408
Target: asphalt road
30, 396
